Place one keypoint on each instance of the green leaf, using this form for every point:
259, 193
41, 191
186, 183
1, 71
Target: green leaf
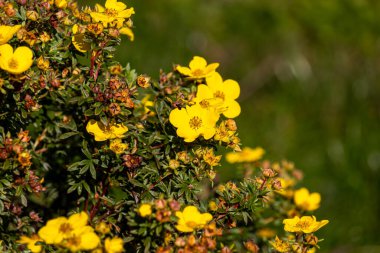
67, 135
24, 201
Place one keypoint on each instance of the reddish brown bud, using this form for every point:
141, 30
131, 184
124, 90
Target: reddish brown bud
132, 161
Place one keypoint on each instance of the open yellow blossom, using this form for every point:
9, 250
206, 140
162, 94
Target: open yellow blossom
114, 12
82, 238
117, 146
78, 40
246, 155
305, 224
31, 243
114, 245
145, 210
193, 121
198, 68
280, 245
102, 133
58, 229
305, 200
220, 95
15, 62
7, 32
191, 219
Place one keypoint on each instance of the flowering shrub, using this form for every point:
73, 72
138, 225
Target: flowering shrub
95, 158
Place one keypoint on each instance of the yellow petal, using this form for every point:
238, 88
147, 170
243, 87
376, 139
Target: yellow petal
118, 130
99, 8
89, 241
233, 109
183, 70
78, 220
215, 81
79, 43
24, 56
127, 31
7, 32
197, 63
115, 5
184, 228
6, 52
93, 128
126, 13
212, 67
231, 88
178, 117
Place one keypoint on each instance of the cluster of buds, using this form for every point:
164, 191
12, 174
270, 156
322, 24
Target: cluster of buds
226, 133
17, 149
115, 96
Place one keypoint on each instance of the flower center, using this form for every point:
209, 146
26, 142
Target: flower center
74, 241
191, 224
198, 72
111, 12
219, 94
303, 224
195, 123
204, 103
65, 228
13, 64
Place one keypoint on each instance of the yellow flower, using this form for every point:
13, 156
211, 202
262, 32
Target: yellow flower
15, 62
145, 210
219, 95
82, 238
191, 219
305, 224
198, 68
280, 246
193, 121
7, 32
114, 245
78, 40
103, 133
58, 229
31, 243
210, 158
103, 228
114, 12
117, 146
223, 134
306, 201
246, 155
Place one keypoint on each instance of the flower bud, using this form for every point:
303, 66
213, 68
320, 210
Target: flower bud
9, 10
32, 15
267, 172
251, 247
231, 125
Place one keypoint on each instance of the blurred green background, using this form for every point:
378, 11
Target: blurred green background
309, 74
